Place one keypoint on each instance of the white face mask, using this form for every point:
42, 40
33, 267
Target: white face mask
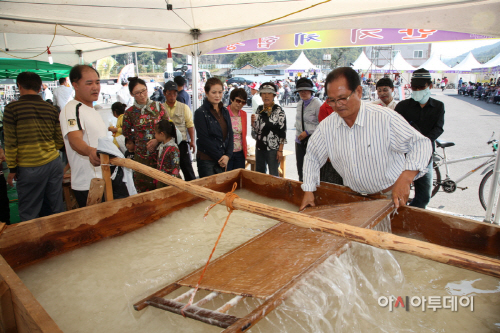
421, 96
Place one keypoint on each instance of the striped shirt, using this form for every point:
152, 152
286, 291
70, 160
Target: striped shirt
32, 132
371, 155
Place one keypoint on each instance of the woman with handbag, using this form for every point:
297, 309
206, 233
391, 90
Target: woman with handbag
306, 119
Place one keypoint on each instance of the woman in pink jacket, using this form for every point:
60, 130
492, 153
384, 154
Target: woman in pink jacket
238, 99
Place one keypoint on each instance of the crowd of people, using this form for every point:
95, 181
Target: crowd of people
488, 91
371, 147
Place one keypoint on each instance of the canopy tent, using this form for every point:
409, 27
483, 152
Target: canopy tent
435, 65
398, 65
466, 65
10, 68
492, 66
144, 23
302, 64
363, 63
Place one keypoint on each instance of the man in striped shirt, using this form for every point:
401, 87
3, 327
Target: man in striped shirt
373, 148
32, 142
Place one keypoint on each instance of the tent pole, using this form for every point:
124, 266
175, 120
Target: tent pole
194, 72
136, 64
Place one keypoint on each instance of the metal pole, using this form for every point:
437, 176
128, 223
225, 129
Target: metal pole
195, 73
497, 213
493, 189
136, 65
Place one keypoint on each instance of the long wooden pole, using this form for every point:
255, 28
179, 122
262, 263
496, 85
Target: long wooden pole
387, 241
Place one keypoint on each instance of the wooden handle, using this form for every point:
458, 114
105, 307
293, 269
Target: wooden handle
383, 240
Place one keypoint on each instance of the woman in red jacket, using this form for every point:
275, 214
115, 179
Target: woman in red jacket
238, 99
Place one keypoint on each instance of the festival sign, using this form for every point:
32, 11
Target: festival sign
345, 38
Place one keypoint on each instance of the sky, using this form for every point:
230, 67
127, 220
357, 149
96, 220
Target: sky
454, 49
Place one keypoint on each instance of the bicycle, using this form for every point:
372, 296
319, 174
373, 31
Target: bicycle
449, 185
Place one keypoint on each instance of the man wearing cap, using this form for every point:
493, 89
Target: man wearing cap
373, 148
385, 88
306, 119
182, 117
256, 99
182, 95
426, 115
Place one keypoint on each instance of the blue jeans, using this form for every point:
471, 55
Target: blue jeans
423, 189
237, 161
208, 168
267, 158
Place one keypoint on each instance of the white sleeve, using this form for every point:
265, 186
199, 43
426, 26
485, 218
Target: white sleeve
68, 120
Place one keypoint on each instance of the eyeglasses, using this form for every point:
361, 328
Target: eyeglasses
340, 101
239, 101
140, 92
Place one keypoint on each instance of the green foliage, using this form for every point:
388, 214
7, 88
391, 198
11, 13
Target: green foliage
255, 59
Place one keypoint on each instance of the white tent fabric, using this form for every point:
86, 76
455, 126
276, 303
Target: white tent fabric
302, 64
493, 62
148, 22
467, 64
434, 64
399, 64
363, 63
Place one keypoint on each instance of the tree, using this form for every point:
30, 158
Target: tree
255, 59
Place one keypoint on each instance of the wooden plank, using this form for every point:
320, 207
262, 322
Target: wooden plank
106, 175
29, 315
96, 191
22, 244
378, 239
265, 263
7, 317
204, 315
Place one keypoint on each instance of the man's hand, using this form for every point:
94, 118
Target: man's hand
193, 147
223, 161
10, 178
307, 200
93, 157
112, 129
401, 189
302, 136
152, 145
2, 155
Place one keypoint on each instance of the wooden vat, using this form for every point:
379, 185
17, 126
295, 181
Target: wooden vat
34, 241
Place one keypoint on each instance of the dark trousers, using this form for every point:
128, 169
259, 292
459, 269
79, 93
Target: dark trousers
40, 186
4, 200
300, 152
267, 158
208, 167
423, 188
237, 161
185, 161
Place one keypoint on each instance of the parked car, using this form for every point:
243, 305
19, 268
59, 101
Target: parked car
239, 80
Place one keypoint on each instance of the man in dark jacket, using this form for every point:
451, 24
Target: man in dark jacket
426, 115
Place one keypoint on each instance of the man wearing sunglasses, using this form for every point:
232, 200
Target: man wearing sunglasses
373, 148
182, 117
427, 116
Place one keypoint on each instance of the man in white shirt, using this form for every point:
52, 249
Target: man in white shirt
47, 94
63, 94
123, 95
385, 89
81, 127
373, 148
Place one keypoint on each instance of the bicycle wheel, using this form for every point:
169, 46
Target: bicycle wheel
484, 189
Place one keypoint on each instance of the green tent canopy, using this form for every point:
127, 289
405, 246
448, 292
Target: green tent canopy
10, 68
